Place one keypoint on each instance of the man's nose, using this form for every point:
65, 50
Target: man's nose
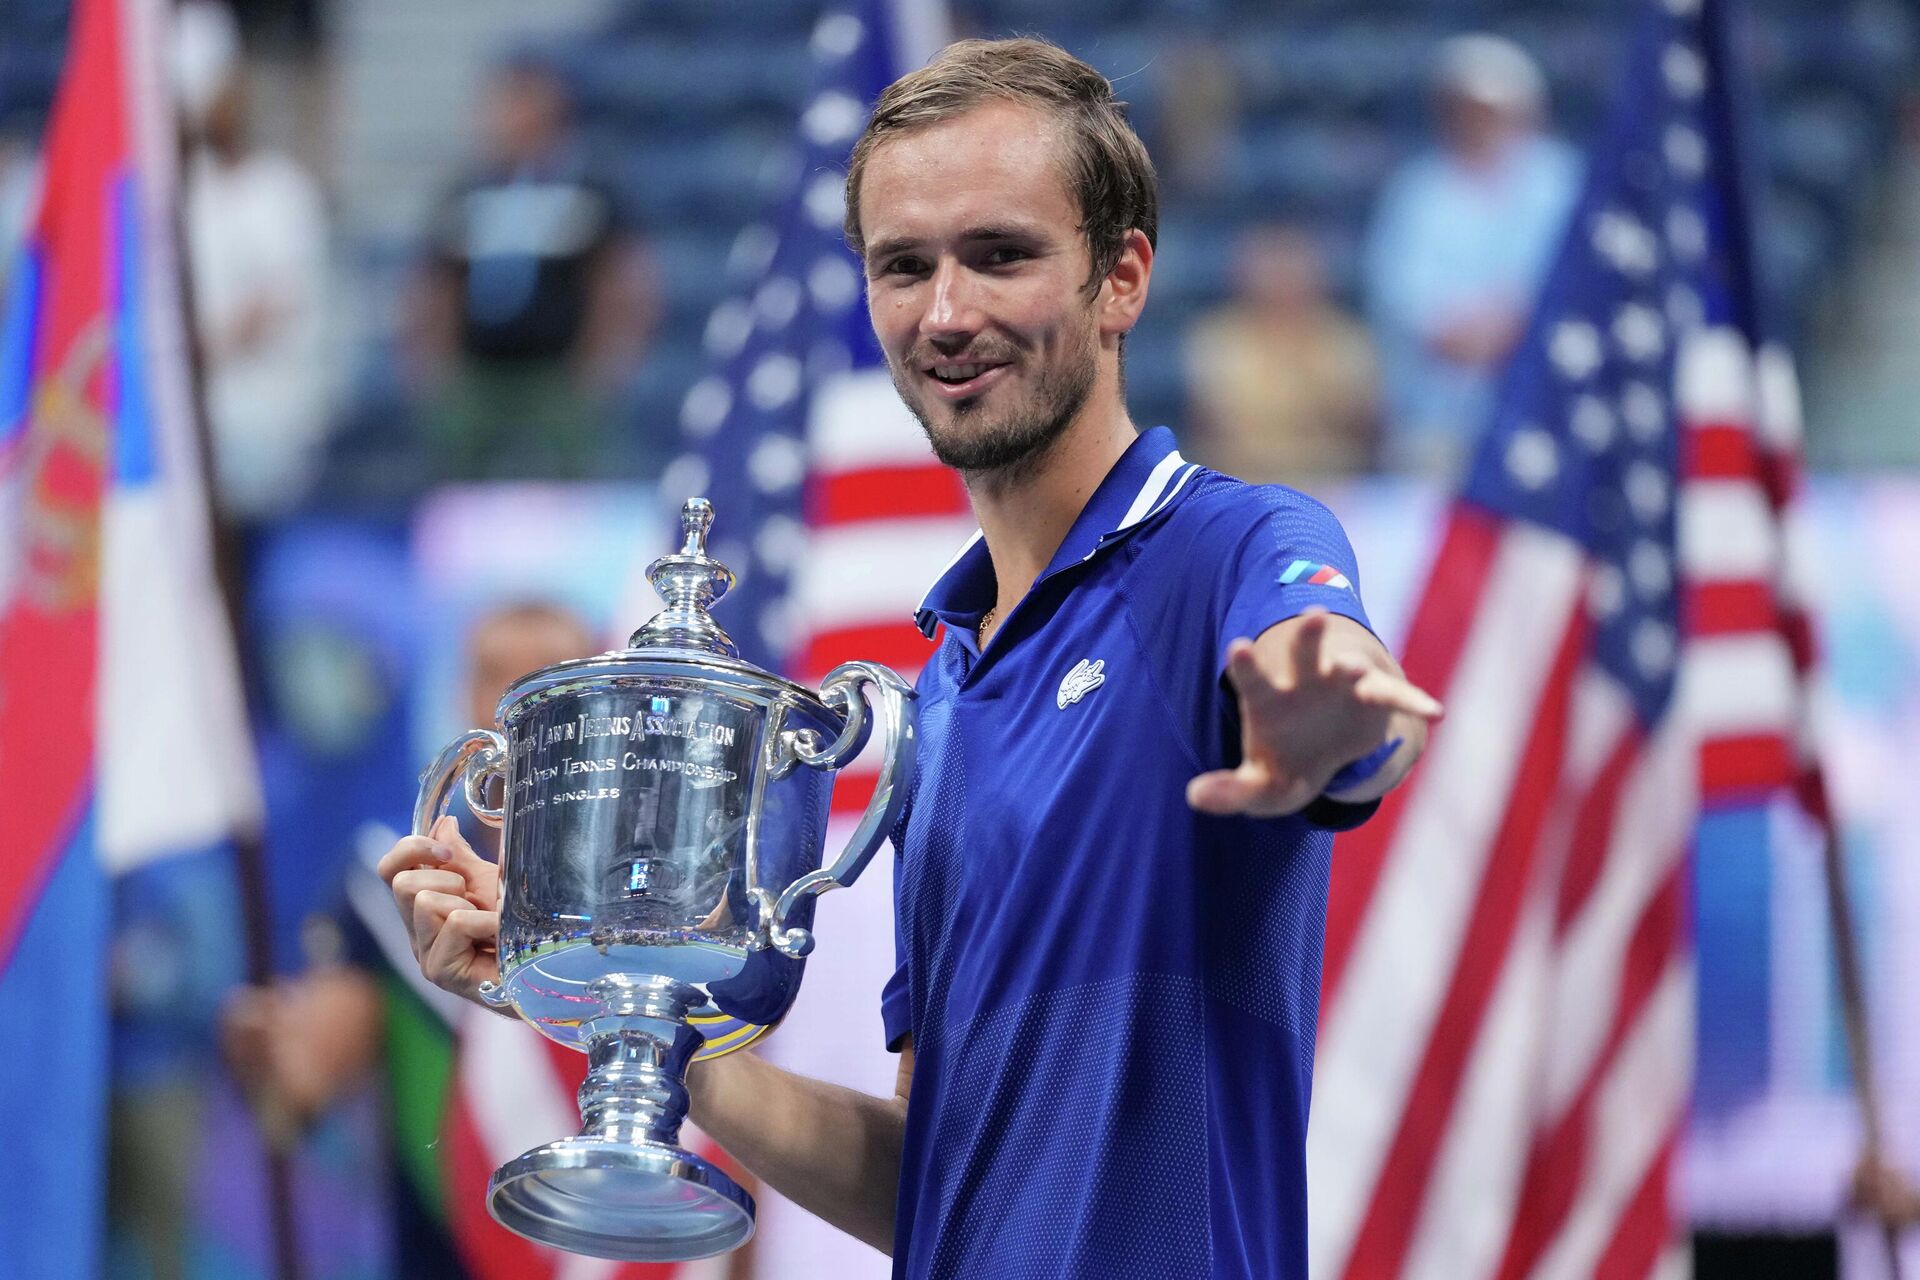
952, 309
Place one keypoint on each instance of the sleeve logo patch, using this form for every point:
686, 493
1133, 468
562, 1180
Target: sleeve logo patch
1079, 682
1315, 574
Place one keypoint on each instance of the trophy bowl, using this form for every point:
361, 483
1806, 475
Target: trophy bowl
663, 814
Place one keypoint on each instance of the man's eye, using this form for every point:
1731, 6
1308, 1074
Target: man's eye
902, 267
1006, 253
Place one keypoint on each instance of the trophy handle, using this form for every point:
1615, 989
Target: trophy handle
470, 758
891, 703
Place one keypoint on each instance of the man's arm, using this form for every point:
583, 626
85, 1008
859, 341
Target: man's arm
833, 1151
1317, 692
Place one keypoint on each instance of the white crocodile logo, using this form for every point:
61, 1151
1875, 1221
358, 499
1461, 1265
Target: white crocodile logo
1079, 682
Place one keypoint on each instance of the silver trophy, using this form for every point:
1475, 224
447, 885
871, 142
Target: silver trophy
663, 813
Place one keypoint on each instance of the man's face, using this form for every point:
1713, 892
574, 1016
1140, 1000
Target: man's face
976, 276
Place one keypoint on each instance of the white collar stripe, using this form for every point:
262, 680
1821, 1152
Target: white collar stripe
1155, 494
1178, 485
1151, 490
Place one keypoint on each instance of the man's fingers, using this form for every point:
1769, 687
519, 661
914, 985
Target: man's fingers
1222, 791
1250, 788
443, 844
1252, 791
409, 886
474, 928
465, 954
410, 852
430, 911
418, 856
1249, 679
446, 832
483, 877
416, 882
1309, 636
1384, 689
1346, 666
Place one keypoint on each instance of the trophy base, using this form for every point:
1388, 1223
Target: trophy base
630, 1201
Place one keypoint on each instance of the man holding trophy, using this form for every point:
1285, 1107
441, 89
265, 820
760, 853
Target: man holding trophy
1155, 698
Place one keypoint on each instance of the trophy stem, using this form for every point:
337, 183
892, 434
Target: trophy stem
638, 1050
624, 1188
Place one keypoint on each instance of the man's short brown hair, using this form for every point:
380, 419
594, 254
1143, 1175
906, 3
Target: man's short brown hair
1106, 165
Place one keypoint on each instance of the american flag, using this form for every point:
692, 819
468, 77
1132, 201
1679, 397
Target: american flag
829, 504
832, 509
1505, 1052
833, 513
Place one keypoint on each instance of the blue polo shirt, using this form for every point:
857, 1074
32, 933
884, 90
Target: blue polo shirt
1112, 997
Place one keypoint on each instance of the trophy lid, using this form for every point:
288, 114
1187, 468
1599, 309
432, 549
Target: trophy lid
681, 643
689, 581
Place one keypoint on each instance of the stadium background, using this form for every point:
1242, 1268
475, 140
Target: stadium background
360, 586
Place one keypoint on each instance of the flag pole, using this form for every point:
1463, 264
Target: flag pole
249, 847
1871, 1180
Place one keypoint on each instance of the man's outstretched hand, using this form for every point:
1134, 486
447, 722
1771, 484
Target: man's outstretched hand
1316, 692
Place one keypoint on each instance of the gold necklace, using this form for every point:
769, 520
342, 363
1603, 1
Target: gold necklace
986, 620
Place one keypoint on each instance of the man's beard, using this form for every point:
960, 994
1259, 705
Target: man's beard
974, 442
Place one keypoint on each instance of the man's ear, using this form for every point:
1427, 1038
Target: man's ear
1124, 292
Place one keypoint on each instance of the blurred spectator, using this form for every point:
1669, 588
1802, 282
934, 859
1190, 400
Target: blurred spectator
1458, 244
19, 179
1198, 116
1283, 380
537, 300
176, 952
300, 1045
257, 242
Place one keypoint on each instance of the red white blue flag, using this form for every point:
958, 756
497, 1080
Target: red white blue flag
1506, 1047
833, 510
122, 735
831, 506
834, 514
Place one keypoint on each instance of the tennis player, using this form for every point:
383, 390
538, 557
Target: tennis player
1154, 698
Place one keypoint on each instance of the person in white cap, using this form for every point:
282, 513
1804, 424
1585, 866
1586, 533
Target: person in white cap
257, 243
1458, 243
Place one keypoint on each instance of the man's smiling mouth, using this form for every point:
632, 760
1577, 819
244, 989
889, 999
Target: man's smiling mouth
961, 379
960, 372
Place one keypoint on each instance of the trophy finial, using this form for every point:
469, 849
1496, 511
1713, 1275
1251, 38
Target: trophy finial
689, 581
696, 518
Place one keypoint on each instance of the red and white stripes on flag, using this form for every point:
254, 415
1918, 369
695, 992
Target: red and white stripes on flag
1505, 1051
883, 517
1617, 624
1750, 589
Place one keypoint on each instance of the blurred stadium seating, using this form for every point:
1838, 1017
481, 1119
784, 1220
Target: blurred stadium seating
1327, 107
693, 102
32, 40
